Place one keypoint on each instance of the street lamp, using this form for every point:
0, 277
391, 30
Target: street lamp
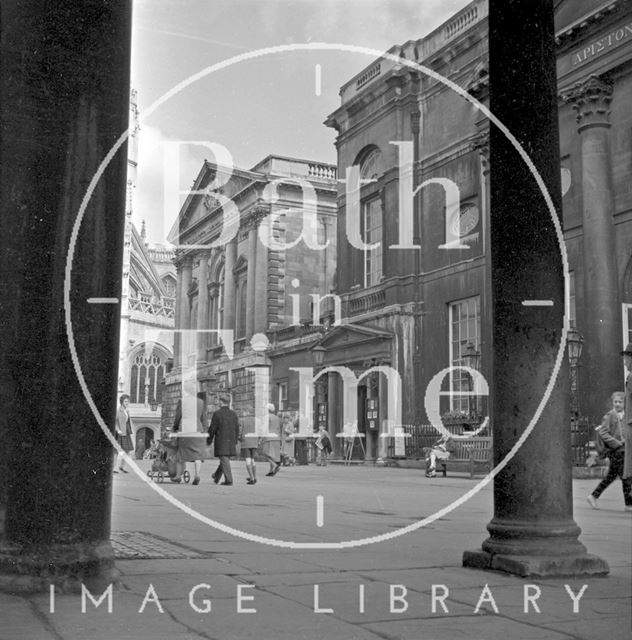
318, 354
154, 404
575, 345
471, 356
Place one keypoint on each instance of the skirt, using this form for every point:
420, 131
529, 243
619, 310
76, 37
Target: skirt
126, 442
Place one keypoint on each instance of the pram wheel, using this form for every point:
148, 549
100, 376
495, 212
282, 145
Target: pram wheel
186, 476
160, 476
150, 473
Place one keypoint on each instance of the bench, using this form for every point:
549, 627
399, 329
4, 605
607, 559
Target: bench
471, 453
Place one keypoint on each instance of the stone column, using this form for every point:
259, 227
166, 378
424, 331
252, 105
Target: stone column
600, 320
261, 279
185, 308
532, 532
229, 285
57, 125
251, 279
202, 310
332, 403
177, 342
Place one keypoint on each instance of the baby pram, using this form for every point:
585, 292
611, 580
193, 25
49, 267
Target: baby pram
164, 461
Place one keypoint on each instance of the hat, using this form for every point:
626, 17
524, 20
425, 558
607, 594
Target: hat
271, 407
628, 350
224, 399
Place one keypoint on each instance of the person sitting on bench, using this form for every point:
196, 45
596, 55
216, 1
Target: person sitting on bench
440, 450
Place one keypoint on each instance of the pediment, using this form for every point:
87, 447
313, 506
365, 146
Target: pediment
345, 335
208, 201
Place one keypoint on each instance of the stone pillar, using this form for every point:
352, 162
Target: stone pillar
332, 424
202, 310
251, 279
177, 342
532, 532
57, 126
229, 285
185, 308
261, 281
600, 321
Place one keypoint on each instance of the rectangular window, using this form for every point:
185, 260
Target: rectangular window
465, 330
282, 396
372, 224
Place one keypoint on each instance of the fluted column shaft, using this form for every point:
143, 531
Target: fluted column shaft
177, 342
185, 308
202, 310
261, 280
601, 314
251, 281
229, 286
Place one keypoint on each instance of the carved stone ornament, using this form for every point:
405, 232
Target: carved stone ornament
252, 219
591, 100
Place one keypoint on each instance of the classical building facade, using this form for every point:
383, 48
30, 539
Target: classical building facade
411, 316
595, 83
147, 313
423, 305
255, 255
419, 301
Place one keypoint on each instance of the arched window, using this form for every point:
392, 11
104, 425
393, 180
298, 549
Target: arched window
169, 284
146, 375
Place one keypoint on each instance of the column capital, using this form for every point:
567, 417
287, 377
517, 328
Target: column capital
480, 143
252, 219
591, 99
182, 260
204, 255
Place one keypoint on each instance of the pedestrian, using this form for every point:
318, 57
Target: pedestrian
224, 430
323, 447
611, 434
249, 441
440, 450
190, 448
270, 446
627, 417
124, 432
287, 440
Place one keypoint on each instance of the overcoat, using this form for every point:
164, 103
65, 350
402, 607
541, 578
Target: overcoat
224, 431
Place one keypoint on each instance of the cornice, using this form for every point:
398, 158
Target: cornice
576, 30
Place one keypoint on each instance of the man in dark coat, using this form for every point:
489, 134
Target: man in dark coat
224, 430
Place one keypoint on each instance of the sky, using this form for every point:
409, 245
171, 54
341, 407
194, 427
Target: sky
269, 104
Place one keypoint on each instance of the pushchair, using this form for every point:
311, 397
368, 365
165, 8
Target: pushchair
163, 463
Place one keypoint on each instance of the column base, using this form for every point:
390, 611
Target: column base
68, 567
537, 566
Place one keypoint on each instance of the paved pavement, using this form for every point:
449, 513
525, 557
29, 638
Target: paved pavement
216, 584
